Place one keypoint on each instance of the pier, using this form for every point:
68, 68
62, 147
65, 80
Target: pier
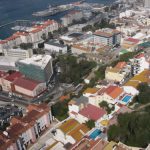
18, 22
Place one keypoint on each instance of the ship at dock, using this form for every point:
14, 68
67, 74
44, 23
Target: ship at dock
53, 10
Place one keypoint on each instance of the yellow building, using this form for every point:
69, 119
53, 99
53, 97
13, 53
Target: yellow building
118, 73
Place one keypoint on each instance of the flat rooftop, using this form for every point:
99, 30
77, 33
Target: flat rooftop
37, 60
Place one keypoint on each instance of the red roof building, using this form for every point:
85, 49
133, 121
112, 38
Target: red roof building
13, 76
114, 91
28, 87
132, 40
121, 65
92, 112
26, 83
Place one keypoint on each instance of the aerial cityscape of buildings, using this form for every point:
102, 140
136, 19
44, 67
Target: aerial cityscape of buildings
80, 83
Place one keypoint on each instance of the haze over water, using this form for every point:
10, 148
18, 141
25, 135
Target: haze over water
11, 10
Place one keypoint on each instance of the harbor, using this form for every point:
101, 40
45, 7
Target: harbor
53, 10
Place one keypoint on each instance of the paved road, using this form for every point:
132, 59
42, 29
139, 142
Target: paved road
40, 143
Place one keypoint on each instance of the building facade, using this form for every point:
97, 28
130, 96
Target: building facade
107, 36
37, 67
18, 53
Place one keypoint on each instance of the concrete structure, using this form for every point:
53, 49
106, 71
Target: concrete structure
119, 73
6, 113
139, 64
130, 44
24, 131
37, 67
55, 46
32, 35
8, 79
70, 131
107, 36
28, 87
76, 104
109, 94
147, 3
97, 144
18, 53
8, 63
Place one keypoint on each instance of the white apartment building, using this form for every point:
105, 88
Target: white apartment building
107, 36
147, 4
18, 53
55, 46
139, 64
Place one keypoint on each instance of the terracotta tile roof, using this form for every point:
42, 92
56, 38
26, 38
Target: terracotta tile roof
36, 30
33, 114
133, 40
140, 55
79, 132
3, 41
114, 91
91, 90
21, 33
106, 33
101, 33
92, 112
64, 97
26, 83
13, 76
69, 125
16, 130
140, 78
121, 65
13, 37
4, 142
38, 107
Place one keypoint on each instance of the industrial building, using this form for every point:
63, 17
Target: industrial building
38, 67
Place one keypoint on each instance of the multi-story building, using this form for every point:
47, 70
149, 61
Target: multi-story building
24, 36
118, 73
3, 45
28, 87
32, 35
147, 3
8, 79
107, 36
55, 46
7, 144
24, 131
139, 64
18, 53
37, 67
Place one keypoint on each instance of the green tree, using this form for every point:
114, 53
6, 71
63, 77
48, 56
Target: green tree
106, 106
90, 124
60, 110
